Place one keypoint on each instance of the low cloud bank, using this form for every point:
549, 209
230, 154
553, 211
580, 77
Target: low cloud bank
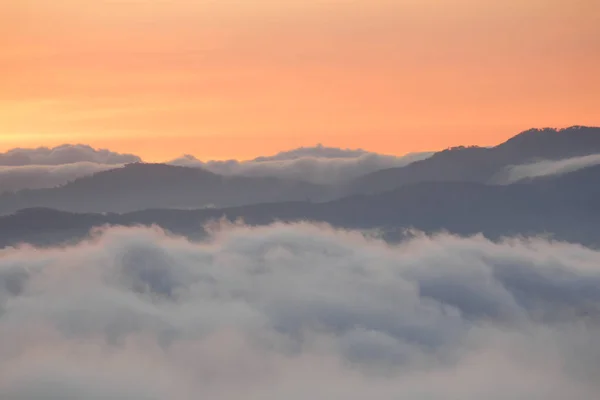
321, 165
65, 154
44, 167
299, 312
543, 168
50, 167
318, 151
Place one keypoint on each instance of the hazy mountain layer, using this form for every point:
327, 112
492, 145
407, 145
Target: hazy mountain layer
482, 165
566, 207
138, 186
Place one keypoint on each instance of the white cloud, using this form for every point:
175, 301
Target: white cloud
299, 312
45, 168
65, 154
322, 165
50, 167
318, 151
542, 168
17, 178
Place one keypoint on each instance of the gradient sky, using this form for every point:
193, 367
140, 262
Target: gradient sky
236, 79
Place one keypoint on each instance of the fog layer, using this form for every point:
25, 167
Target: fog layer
320, 165
299, 312
543, 168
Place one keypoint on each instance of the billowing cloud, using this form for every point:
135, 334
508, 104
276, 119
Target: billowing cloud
46, 168
318, 151
299, 312
13, 179
320, 164
50, 167
65, 154
543, 168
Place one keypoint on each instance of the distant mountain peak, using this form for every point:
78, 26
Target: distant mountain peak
572, 137
550, 130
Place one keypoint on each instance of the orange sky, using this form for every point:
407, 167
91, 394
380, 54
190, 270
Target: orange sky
237, 79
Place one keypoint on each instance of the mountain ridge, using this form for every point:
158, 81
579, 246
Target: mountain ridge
479, 164
567, 207
139, 186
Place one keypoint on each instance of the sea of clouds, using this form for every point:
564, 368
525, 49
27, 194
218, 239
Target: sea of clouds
44, 167
65, 154
299, 311
319, 164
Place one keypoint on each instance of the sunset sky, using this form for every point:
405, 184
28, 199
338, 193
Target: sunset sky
237, 79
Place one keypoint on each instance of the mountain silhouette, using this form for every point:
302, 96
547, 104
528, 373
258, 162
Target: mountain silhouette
566, 207
479, 164
139, 186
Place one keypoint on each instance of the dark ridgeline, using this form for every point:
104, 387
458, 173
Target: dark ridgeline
480, 164
447, 192
140, 186
567, 207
